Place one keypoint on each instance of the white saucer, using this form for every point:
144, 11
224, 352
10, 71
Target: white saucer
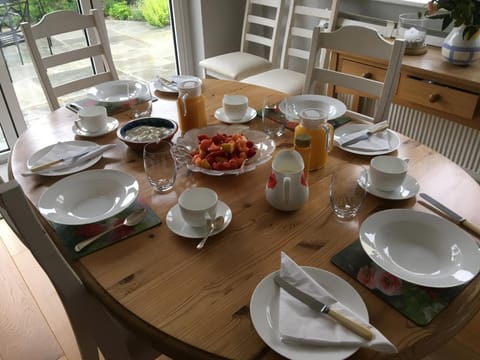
250, 115
177, 225
112, 124
407, 190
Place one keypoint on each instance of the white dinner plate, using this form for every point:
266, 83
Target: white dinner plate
88, 197
292, 105
112, 124
393, 140
420, 248
264, 145
249, 116
171, 88
408, 189
178, 226
32, 161
264, 313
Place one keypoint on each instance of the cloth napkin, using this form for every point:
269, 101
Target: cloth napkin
299, 323
66, 150
375, 142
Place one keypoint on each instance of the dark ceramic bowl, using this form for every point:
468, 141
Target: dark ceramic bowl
169, 126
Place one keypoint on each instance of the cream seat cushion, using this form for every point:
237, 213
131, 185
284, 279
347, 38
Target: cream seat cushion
284, 80
235, 66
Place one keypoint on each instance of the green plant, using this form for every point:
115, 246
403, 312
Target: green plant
156, 12
119, 10
460, 12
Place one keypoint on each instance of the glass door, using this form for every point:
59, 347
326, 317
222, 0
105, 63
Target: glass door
141, 40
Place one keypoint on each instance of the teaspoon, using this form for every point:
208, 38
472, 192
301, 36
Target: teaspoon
131, 220
214, 225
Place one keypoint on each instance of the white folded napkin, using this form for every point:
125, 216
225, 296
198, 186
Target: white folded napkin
63, 150
375, 142
298, 322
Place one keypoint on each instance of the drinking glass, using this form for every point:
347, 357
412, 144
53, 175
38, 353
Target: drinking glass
273, 120
346, 194
160, 166
139, 107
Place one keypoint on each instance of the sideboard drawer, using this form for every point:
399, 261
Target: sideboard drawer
361, 69
437, 97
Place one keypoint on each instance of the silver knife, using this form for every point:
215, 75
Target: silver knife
316, 305
80, 158
364, 136
456, 218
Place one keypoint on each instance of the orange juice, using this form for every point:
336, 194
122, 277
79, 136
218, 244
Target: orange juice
191, 113
314, 123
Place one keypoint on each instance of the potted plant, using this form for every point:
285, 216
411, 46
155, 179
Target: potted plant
462, 44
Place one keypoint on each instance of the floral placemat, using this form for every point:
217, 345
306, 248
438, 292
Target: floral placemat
70, 235
278, 116
419, 304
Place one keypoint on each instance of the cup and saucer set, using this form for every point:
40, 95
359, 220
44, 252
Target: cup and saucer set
235, 110
388, 179
197, 207
93, 122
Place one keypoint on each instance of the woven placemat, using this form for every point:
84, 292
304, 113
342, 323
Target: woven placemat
70, 235
419, 304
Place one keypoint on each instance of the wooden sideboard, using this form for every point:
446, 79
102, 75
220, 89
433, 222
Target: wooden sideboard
427, 83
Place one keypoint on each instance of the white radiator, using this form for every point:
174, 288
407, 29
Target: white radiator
459, 143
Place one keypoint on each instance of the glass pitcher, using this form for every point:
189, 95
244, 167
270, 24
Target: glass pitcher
314, 123
191, 108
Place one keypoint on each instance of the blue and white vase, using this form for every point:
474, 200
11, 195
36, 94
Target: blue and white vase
457, 50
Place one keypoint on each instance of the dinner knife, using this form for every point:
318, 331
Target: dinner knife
82, 157
318, 306
365, 135
452, 215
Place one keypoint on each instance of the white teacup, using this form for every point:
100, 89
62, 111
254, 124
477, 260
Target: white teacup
198, 204
387, 172
92, 119
235, 106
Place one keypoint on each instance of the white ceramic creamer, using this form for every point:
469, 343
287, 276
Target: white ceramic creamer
287, 188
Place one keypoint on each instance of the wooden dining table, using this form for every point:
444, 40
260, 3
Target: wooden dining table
195, 304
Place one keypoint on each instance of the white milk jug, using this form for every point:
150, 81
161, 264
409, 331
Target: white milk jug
287, 188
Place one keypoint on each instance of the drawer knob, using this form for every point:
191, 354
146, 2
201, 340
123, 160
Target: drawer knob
367, 75
433, 98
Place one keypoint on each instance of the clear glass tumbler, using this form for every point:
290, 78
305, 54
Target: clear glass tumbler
346, 194
139, 99
273, 121
160, 166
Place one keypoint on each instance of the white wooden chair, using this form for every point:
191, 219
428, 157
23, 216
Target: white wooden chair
290, 77
260, 33
363, 41
96, 49
93, 326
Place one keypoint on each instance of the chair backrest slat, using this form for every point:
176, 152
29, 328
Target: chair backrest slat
365, 42
96, 47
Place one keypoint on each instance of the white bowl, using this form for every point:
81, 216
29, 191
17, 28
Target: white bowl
118, 93
88, 197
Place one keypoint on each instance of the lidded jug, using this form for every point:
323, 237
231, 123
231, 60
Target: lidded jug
191, 108
313, 121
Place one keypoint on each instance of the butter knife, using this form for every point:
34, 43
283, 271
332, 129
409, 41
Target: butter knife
365, 135
316, 305
452, 215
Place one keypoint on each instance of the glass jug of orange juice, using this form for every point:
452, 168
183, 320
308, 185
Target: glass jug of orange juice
313, 122
191, 105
